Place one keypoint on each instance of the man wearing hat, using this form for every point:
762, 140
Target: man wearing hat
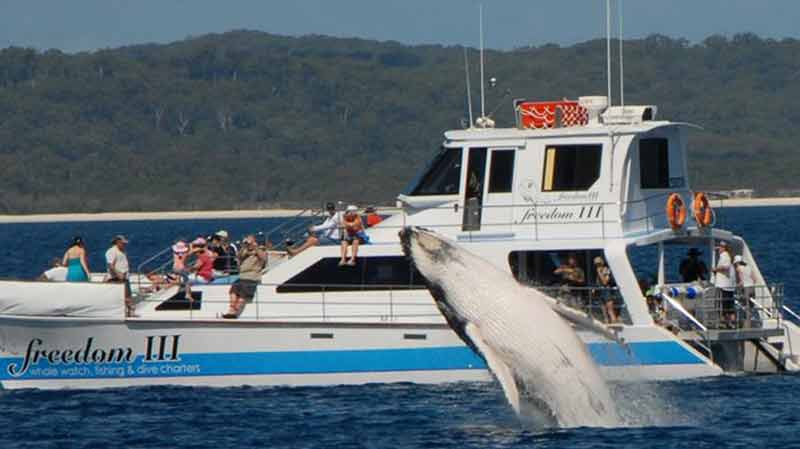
328, 233
693, 269
225, 264
118, 268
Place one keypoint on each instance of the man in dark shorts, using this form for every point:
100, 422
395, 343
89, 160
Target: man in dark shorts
252, 260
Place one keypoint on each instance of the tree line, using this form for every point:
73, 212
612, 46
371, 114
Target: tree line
248, 119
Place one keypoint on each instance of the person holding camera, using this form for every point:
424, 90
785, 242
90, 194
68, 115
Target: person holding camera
252, 260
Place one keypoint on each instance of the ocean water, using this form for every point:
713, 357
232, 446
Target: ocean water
727, 411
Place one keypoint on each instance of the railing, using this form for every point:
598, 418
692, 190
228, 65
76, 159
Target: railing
330, 302
292, 228
595, 301
709, 308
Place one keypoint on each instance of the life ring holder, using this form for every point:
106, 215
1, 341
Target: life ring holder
676, 211
702, 211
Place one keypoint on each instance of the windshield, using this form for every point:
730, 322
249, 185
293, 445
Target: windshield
441, 177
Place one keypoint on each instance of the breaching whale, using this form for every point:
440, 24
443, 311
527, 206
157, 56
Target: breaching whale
542, 365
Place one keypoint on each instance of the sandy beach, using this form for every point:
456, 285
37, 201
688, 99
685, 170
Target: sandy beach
277, 213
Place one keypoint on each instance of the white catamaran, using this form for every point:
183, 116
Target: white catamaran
572, 180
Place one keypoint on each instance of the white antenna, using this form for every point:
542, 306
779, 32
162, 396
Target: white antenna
483, 99
469, 87
621, 59
608, 49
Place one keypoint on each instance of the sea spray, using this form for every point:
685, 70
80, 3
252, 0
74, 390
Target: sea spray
543, 366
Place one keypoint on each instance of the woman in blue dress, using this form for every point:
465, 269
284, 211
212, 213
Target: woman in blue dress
75, 261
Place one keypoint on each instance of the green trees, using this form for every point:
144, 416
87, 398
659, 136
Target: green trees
248, 119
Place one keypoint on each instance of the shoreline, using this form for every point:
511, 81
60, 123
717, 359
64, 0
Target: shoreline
283, 213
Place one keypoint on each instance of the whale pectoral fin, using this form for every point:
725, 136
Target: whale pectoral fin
498, 367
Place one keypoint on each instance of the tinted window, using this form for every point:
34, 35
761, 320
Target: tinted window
537, 268
654, 163
370, 273
444, 175
571, 167
501, 177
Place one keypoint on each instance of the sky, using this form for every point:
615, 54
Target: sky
80, 25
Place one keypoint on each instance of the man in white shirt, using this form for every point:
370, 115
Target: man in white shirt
725, 281
118, 268
328, 233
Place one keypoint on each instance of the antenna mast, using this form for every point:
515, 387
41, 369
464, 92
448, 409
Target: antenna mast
469, 87
621, 59
483, 98
608, 49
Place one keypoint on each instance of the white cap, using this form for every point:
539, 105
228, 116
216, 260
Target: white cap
222, 233
738, 259
352, 208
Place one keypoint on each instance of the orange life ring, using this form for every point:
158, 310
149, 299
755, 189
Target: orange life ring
701, 209
676, 211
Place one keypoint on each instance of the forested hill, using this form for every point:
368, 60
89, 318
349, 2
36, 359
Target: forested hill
249, 119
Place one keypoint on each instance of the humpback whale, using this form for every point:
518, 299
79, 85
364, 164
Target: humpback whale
544, 369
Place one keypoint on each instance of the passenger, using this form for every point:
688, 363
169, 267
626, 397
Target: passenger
203, 268
571, 274
354, 235
56, 273
118, 269
225, 264
252, 260
573, 279
693, 269
746, 283
724, 280
606, 281
328, 233
372, 217
75, 261
180, 270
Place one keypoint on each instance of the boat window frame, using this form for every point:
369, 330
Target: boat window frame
364, 265
424, 177
491, 177
550, 164
662, 179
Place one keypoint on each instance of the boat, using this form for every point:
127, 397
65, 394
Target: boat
571, 179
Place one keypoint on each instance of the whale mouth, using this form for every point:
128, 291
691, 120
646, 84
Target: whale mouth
424, 239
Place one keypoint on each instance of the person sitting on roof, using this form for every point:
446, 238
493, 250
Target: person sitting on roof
372, 217
180, 268
353, 236
225, 264
203, 268
57, 272
328, 233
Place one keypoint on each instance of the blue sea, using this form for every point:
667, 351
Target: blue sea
728, 411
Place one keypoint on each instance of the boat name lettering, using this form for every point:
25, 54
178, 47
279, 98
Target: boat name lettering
162, 348
562, 214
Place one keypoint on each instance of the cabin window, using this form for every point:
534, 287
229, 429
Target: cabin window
574, 278
654, 163
538, 268
571, 167
370, 273
443, 176
501, 175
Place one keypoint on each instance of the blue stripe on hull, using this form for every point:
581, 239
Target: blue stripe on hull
642, 353
332, 361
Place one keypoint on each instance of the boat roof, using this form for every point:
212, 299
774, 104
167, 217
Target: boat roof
473, 134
